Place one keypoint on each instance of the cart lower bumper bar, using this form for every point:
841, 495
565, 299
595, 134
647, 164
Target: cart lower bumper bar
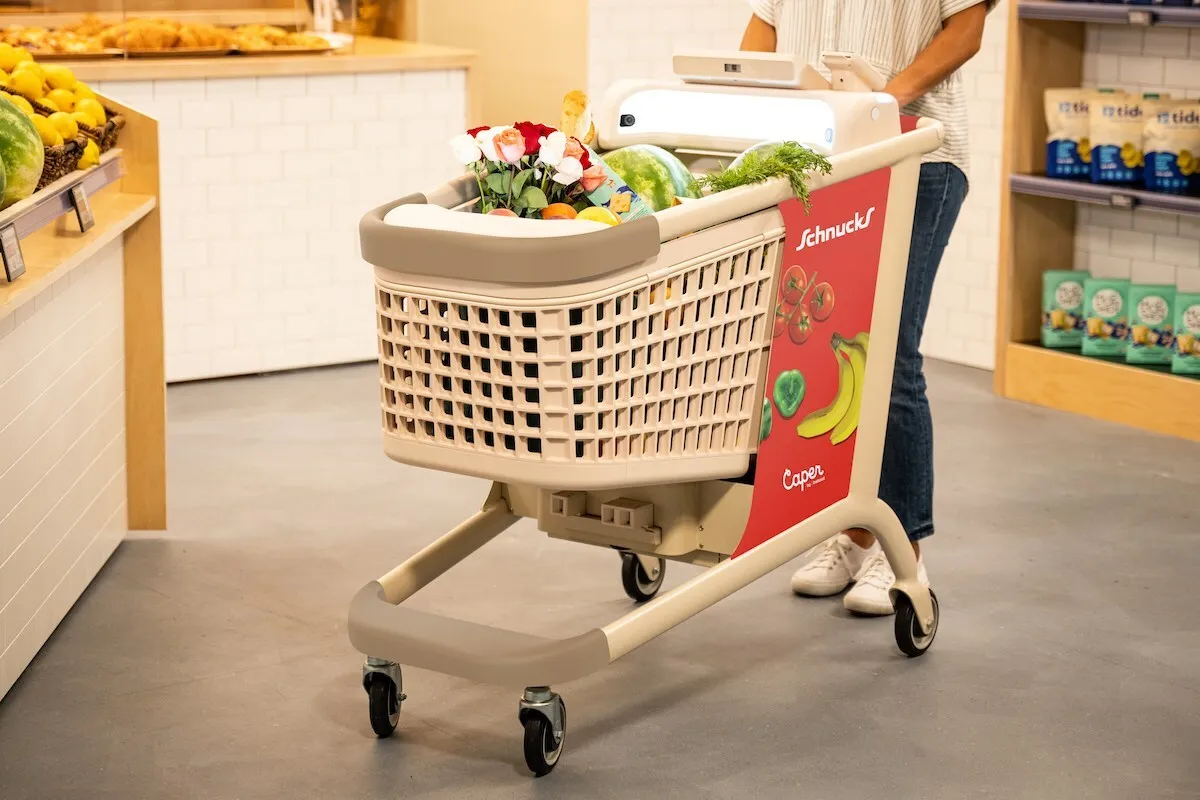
468, 650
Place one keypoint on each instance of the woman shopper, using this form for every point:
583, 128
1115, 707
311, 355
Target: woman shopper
919, 46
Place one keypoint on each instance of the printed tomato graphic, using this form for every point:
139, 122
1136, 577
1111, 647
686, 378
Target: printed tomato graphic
783, 316
800, 326
821, 304
793, 285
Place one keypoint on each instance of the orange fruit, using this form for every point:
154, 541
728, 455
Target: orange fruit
558, 211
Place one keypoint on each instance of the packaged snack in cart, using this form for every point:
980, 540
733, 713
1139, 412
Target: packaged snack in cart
615, 195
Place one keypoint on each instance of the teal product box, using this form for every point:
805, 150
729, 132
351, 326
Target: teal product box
615, 195
1106, 316
1151, 336
1062, 308
1185, 360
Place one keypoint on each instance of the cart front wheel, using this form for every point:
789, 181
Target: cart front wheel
384, 704
909, 638
638, 585
543, 744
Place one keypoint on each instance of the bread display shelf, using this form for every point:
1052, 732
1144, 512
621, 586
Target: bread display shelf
1111, 13
48, 204
367, 54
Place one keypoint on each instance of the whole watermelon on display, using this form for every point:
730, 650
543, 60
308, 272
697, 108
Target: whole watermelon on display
22, 152
657, 176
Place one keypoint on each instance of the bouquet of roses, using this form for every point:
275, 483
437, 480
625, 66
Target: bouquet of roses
529, 170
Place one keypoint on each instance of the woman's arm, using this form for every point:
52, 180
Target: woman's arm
958, 41
759, 36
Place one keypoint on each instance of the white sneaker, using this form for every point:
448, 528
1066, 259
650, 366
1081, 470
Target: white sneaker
870, 593
834, 568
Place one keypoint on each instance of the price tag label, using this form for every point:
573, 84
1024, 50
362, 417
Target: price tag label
1141, 18
83, 208
10, 249
1123, 201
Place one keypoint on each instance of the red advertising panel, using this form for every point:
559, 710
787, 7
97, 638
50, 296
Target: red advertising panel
818, 354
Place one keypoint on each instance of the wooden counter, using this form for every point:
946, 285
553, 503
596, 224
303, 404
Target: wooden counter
367, 54
82, 393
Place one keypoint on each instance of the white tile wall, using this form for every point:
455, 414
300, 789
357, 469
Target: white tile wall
263, 183
631, 38
1145, 246
62, 452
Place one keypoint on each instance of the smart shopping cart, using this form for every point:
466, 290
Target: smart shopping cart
616, 385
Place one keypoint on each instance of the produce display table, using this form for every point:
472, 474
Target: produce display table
82, 412
267, 162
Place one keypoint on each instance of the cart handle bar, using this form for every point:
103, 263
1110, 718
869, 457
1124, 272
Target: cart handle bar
743, 201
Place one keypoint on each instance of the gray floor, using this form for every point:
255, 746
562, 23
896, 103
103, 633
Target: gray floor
213, 662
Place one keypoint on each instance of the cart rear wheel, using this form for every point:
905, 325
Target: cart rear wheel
384, 704
909, 638
638, 585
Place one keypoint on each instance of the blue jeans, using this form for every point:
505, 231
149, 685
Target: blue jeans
906, 481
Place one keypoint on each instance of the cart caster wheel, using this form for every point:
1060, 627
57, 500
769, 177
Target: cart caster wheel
544, 717
909, 638
385, 694
638, 585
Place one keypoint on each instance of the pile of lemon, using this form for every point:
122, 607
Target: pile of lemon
71, 101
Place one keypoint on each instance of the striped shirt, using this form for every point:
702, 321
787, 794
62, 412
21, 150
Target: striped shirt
888, 34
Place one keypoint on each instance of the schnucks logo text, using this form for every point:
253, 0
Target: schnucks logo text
818, 235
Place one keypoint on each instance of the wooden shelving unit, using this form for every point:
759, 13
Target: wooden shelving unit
1037, 230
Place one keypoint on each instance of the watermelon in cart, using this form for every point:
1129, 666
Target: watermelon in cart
656, 175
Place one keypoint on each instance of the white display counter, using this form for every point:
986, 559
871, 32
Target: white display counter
267, 165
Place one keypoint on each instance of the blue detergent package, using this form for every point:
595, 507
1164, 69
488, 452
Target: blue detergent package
1116, 139
1172, 144
1068, 151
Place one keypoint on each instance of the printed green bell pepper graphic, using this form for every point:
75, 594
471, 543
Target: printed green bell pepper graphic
788, 392
764, 427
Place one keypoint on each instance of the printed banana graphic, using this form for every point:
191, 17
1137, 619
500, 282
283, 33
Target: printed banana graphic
821, 422
858, 364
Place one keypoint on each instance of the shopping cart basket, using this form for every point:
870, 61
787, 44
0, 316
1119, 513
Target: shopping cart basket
616, 385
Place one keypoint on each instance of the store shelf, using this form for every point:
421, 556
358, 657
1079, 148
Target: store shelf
50, 203
1119, 197
1150, 399
1110, 13
50, 256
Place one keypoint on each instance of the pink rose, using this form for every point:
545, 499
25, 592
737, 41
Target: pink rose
574, 149
510, 144
593, 178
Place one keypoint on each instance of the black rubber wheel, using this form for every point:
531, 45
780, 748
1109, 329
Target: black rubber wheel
541, 750
909, 638
638, 585
384, 706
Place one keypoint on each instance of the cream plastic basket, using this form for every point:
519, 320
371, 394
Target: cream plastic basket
626, 356
609, 380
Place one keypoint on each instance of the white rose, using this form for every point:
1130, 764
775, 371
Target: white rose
568, 171
553, 149
487, 143
466, 149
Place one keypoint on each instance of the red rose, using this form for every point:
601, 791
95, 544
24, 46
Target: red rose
476, 131
533, 133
